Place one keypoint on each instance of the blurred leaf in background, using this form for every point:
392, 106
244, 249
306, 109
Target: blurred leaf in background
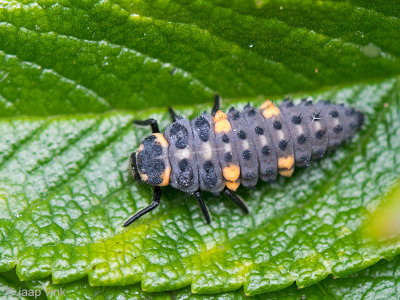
384, 222
92, 56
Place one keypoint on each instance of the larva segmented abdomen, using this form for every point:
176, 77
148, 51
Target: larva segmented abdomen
211, 152
291, 135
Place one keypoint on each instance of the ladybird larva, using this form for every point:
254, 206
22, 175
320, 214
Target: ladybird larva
220, 151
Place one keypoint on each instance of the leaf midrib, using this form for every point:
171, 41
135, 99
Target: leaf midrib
116, 135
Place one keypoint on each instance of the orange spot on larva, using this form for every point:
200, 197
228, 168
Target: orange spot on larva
269, 109
231, 173
222, 126
221, 123
286, 173
286, 162
233, 186
265, 104
219, 115
144, 177
165, 176
160, 138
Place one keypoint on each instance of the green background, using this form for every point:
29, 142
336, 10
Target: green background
74, 74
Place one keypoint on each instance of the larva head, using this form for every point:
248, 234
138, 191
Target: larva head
149, 163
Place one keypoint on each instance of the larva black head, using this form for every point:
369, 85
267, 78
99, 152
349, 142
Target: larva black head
150, 161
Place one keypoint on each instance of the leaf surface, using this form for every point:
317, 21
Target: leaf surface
380, 281
66, 191
74, 74
72, 56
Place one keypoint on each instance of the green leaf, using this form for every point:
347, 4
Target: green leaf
64, 185
12, 289
66, 191
7, 288
384, 222
93, 56
380, 281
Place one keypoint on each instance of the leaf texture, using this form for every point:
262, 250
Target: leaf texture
380, 281
74, 74
66, 191
93, 56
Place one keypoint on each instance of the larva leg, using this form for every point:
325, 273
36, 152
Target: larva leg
203, 206
238, 200
173, 114
153, 205
217, 104
153, 123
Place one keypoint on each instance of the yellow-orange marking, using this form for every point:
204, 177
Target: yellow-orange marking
219, 115
233, 186
222, 126
160, 138
269, 109
286, 162
221, 123
265, 104
144, 177
165, 176
286, 173
231, 173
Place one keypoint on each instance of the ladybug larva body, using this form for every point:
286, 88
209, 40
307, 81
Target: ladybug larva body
220, 151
